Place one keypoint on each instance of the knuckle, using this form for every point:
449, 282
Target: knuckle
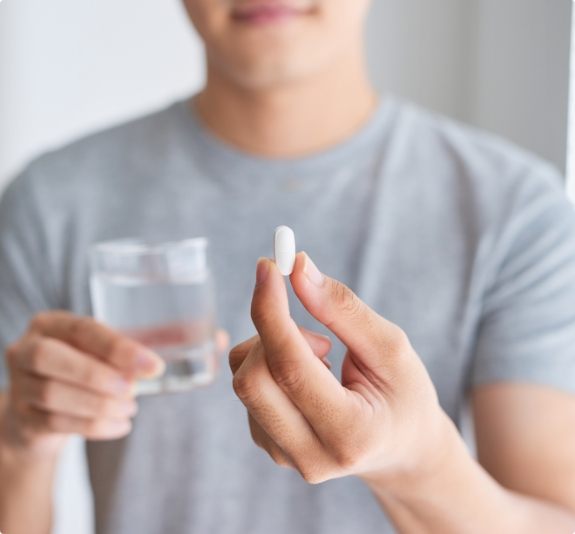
234, 353
235, 357
345, 299
87, 376
51, 421
21, 406
256, 432
12, 352
399, 341
259, 315
346, 459
46, 393
371, 319
94, 427
90, 428
39, 350
80, 327
256, 439
311, 474
283, 462
349, 453
38, 322
287, 375
279, 457
17, 399
119, 345
245, 387
101, 428
103, 407
266, 322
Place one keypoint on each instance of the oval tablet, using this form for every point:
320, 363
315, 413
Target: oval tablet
284, 249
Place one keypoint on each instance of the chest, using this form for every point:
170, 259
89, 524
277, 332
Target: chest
395, 259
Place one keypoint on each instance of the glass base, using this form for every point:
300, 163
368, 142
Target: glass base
186, 368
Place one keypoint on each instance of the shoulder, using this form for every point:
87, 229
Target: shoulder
472, 167
478, 152
96, 156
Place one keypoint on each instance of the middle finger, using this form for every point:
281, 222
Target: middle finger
63, 398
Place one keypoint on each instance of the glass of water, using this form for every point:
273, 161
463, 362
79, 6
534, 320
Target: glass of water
162, 295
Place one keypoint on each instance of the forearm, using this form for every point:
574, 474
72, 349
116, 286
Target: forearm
26, 481
459, 497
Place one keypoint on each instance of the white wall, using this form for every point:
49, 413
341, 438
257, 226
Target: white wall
571, 136
420, 49
527, 43
501, 65
69, 66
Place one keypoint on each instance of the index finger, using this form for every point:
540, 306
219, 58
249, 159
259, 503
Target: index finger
94, 338
304, 378
53, 359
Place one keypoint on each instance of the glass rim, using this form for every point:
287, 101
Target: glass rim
142, 246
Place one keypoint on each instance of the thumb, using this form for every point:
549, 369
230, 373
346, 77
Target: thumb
367, 334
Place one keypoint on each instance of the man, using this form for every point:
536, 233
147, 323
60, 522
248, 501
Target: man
460, 247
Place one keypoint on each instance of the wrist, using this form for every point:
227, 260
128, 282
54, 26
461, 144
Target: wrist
18, 446
450, 485
442, 454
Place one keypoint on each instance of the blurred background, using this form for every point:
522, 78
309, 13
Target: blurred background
68, 67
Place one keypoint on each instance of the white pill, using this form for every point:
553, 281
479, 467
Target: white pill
284, 249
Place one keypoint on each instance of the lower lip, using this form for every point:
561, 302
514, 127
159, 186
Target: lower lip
268, 16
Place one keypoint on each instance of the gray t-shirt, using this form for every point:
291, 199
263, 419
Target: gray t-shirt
463, 240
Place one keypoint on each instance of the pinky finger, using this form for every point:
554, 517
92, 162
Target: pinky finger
95, 429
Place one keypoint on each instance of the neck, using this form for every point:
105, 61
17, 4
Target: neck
299, 118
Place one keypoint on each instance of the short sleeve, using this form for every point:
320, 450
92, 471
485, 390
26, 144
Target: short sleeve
527, 327
24, 276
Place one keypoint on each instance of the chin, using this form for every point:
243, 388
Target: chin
266, 78
279, 65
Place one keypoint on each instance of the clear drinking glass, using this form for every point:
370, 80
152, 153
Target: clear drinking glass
161, 294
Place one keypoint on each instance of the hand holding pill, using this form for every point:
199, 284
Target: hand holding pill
381, 421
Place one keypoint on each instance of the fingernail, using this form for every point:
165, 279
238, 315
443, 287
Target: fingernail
120, 386
129, 409
312, 272
262, 271
119, 426
149, 364
320, 337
